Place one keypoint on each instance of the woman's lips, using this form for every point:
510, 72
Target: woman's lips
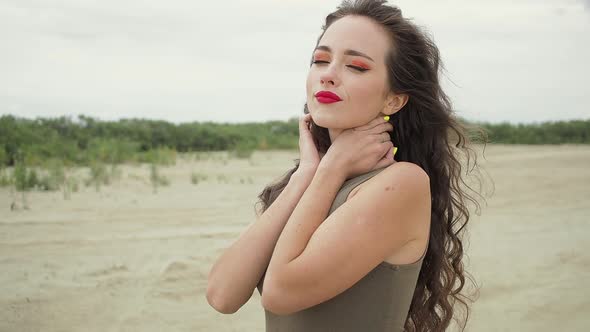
327, 97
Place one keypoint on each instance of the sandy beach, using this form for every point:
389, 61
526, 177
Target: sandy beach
128, 259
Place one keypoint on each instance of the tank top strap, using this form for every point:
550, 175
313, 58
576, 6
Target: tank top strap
349, 185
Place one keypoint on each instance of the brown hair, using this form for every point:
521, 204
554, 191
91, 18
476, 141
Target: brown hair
430, 136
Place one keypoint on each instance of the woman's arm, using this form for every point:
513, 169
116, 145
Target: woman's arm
319, 257
236, 273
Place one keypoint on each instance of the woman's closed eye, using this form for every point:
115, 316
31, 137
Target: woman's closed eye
350, 66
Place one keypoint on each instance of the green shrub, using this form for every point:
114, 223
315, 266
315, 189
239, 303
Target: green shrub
156, 178
56, 172
98, 176
21, 177
3, 156
70, 185
197, 177
47, 184
32, 179
222, 178
202, 156
5, 179
161, 156
242, 151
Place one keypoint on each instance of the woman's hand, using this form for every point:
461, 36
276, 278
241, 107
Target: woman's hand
361, 149
309, 157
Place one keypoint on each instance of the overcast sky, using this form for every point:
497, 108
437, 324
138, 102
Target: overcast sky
246, 60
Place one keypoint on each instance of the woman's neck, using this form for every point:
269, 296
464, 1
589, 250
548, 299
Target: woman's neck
334, 133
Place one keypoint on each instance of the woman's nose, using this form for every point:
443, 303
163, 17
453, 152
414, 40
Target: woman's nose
327, 81
329, 77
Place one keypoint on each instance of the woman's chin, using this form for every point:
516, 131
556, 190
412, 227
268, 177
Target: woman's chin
321, 119
327, 123
321, 123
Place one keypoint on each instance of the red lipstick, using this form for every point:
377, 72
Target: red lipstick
327, 97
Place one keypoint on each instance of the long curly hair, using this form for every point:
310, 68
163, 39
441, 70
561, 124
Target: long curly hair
438, 141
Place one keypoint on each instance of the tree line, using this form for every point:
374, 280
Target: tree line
82, 140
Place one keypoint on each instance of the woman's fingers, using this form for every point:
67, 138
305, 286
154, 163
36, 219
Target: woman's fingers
379, 138
304, 122
387, 155
379, 128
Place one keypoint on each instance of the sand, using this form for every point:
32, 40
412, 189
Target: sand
129, 259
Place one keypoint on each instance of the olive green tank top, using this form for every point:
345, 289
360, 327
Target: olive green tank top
378, 302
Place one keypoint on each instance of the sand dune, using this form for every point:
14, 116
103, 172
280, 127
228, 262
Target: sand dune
126, 259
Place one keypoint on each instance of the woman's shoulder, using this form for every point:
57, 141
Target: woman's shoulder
405, 168
402, 175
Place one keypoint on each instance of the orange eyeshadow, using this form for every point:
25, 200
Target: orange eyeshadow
321, 57
359, 64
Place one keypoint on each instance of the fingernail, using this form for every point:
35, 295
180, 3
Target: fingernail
386, 118
394, 150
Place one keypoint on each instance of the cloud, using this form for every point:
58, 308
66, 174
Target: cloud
239, 60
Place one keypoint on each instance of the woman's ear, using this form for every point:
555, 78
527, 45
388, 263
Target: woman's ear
395, 102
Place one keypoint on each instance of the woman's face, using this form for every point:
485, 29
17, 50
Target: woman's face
350, 62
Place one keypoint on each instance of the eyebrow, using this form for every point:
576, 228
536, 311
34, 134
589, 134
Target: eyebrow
346, 52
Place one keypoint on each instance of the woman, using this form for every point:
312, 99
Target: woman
357, 237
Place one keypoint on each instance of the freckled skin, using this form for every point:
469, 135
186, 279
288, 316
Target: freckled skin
388, 188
